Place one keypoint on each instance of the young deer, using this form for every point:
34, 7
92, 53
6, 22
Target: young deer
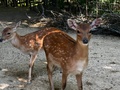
30, 43
71, 55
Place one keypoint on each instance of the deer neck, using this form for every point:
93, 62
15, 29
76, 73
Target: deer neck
82, 49
16, 40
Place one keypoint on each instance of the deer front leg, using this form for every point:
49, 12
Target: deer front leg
32, 60
79, 81
64, 80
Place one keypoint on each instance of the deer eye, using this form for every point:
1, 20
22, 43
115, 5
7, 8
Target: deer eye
90, 32
78, 32
8, 33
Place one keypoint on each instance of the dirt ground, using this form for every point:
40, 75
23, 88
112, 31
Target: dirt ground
102, 73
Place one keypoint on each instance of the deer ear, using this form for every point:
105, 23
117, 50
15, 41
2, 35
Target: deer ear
17, 25
3, 25
95, 23
72, 24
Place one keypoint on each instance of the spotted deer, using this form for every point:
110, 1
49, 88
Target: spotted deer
29, 44
71, 55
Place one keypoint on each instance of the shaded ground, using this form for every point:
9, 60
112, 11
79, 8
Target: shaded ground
102, 73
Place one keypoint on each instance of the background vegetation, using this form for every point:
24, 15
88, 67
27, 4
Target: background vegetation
56, 12
86, 7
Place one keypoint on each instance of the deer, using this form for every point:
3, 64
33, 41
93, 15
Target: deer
69, 54
29, 44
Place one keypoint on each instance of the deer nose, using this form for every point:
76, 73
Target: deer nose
1, 39
85, 40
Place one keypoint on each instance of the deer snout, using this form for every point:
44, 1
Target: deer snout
85, 41
1, 40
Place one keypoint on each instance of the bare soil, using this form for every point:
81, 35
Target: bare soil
102, 73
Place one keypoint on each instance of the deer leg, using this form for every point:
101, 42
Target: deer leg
64, 80
50, 69
32, 60
79, 81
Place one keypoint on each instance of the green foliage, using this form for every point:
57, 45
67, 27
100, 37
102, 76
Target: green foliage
95, 7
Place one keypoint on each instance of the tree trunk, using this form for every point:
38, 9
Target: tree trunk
4, 3
45, 3
14, 3
27, 2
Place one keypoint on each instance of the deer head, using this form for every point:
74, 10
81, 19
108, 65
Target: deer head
83, 30
9, 32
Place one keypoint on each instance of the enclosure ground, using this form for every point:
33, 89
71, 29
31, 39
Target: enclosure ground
102, 73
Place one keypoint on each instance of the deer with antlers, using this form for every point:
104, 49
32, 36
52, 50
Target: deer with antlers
69, 54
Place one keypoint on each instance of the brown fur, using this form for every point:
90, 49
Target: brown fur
29, 44
69, 54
